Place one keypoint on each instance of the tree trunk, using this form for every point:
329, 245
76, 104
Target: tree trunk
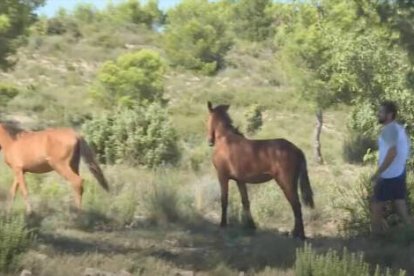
318, 130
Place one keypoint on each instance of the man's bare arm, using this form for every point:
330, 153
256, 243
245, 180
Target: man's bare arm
389, 158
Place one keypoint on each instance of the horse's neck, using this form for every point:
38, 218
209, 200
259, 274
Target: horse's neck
5, 140
228, 135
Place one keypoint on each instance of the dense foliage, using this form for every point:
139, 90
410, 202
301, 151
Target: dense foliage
252, 19
197, 36
137, 136
348, 58
15, 18
133, 78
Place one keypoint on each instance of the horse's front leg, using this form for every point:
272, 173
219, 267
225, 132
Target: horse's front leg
12, 194
224, 185
247, 215
23, 189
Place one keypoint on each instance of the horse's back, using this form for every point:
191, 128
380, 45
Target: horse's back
34, 149
255, 158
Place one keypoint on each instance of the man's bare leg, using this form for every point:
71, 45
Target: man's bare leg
378, 224
402, 211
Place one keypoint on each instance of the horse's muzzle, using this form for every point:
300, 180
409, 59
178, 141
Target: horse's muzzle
211, 142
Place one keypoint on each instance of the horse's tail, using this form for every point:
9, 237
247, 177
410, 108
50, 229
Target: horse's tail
89, 157
304, 183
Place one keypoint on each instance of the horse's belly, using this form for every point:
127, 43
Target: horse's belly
38, 168
256, 179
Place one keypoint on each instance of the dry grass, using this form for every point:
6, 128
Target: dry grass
164, 221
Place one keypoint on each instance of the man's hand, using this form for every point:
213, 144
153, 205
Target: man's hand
374, 178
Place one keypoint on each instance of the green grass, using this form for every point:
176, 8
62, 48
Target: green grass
308, 262
14, 239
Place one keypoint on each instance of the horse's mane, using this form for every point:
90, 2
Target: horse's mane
12, 128
228, 122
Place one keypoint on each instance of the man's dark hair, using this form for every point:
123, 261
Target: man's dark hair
390, 107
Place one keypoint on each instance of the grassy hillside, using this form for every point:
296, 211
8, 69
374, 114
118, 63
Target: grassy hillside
165, 221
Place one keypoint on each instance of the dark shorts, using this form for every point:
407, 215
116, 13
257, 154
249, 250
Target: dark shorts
391, 188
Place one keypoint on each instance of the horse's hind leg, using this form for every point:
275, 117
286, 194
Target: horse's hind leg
246, 205
289, 188
74, 178
75, 161
224, 185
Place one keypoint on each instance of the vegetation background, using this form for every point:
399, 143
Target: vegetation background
135, 81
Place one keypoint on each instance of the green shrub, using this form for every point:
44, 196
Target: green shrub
133, 78
132, 11
55, 27
14, 240
196, 36
62, 24
39, 28
308, 263
254, 119
7, 93
138, 136
356, 147
356, 204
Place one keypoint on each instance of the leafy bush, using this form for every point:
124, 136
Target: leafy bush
62, 24
133, 78
131, 11
138, 136
308, 263
196, 36
14, 240
7, 93
254, 119
40, 27
356, 147
356, 204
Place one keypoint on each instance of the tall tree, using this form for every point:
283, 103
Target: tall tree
15, 17
252, 20
347, 58
197, 36
396, 15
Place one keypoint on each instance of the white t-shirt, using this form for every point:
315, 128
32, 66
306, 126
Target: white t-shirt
391, 135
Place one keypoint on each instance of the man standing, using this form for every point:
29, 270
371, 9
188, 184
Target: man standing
390, 178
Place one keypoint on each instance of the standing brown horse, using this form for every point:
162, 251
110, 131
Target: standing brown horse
43, 151
256, 161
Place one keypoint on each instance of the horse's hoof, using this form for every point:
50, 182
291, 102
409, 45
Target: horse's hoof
300, 238
285, 233
297, 236
251, 225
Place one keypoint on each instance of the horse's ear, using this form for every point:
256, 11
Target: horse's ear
226, 107
210, 106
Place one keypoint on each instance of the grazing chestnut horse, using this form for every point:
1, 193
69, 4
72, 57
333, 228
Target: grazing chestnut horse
57, 149
256, 161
